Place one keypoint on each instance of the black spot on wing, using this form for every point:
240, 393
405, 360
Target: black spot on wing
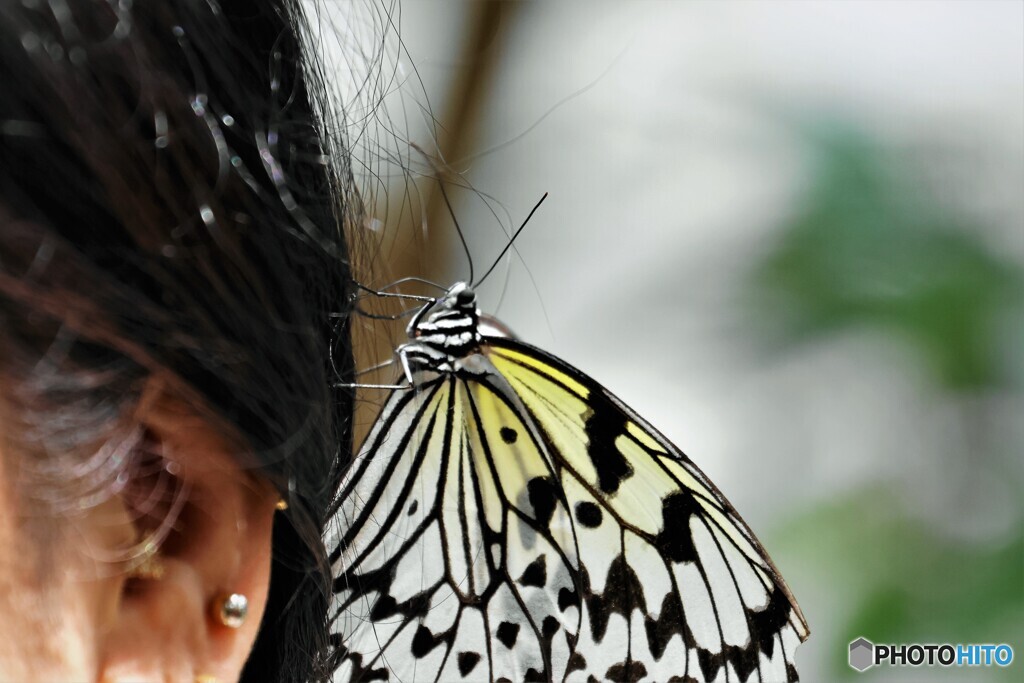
414, 507
359, 672
674, 541
536, 573
534, 676
709, 663
379, 581
543, 497
604, 424
588, 514
577, 662
744, 661
765, 624
507, 633
509, 435
423, 642
384, 608
623, 593
670, 622
568, 598
467, 662
791, 675
387, 608
626, 672
549, 627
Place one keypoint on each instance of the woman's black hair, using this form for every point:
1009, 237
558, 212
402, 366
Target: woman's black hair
168, 205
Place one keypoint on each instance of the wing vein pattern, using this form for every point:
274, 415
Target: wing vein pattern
509, 519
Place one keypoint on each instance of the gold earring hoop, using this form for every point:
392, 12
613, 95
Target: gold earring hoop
231, 609
147, 566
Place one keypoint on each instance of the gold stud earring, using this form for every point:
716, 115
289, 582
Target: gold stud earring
231, 609
281, 504
205, 678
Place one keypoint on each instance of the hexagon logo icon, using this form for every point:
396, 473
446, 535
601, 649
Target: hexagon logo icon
862, 654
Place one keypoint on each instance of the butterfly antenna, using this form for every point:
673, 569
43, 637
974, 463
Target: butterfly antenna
458, 228
508, 246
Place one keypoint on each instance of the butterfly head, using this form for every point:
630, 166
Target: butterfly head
459, 297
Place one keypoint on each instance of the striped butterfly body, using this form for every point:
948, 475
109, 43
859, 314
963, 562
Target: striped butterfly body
509, 519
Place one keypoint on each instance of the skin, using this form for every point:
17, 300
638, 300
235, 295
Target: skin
72, 614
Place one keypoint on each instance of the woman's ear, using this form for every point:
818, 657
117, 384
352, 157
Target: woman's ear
209, 521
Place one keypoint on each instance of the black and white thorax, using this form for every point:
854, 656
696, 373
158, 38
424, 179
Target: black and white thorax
443, 334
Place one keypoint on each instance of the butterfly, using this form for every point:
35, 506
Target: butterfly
509, 519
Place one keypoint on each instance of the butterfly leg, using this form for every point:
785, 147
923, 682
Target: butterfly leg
403, 358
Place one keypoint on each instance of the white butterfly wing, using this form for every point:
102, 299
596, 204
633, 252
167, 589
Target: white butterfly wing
522, 524
442, 549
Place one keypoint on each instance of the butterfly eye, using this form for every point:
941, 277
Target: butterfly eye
465, 297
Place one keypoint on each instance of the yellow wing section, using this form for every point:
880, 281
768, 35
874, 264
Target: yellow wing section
701, 594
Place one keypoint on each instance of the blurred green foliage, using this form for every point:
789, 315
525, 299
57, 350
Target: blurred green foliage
909, 583
869, 249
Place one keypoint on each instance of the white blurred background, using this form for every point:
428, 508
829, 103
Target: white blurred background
790, 234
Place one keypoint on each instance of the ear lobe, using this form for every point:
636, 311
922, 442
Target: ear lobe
166, 626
